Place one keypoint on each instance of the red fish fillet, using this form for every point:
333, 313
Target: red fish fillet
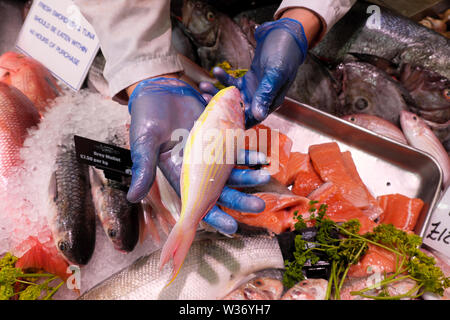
30, 77
17, 114
373, 211
260, 138
400, 210
339, 208
329, 164
306, 180
278, 216
375, 260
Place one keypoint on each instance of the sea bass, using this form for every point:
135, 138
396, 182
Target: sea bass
72, 218
217, 37
420, 136
17, 114
387, 35
29, 76
377, 125
211, 270
206, 167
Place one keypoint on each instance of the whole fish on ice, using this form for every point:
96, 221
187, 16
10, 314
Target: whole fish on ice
73, 216
29, 76
211, 270
17, 115
207, 164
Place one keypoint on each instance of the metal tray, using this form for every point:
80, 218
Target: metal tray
384, 165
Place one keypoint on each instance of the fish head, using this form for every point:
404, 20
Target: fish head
412, 124
430, 90
357, 119
122, 228
201, 22
368, 90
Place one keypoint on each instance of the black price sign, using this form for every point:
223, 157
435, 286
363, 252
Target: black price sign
114, 161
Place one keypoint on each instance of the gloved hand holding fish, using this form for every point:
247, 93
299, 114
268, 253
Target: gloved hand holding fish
311, 169
158, 107
281, 48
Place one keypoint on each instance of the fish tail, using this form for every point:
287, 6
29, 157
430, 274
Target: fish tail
176, 248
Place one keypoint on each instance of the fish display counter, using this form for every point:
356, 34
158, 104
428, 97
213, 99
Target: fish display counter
357, 153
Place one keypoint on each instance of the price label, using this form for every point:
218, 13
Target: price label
57, 35
437, 234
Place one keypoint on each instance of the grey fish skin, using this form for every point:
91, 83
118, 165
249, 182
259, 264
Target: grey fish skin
314, 85
368, 90
73, 222
211, 270
395, 38
217, 37
118, 216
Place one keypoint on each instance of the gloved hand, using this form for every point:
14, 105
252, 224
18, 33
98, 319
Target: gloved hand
281, 47
158, 107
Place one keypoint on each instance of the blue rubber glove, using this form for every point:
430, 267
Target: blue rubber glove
281, 47
158, 107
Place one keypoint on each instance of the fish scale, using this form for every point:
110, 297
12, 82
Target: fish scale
73, 221
211, 270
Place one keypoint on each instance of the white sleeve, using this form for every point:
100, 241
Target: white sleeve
329, 11
135, 38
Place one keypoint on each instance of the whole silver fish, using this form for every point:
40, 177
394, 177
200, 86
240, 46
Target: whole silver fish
387, 35
73, 217
211, 270
118, 216
377, 125
369, 90
217, 37
420, 136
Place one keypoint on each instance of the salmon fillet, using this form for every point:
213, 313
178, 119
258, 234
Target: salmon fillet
339, 209
306, 180
400, 210
278, 216
375, 260
373, 211
329, 164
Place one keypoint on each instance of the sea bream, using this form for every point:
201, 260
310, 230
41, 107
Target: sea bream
17, 115
207, 164
420, 136
212, 269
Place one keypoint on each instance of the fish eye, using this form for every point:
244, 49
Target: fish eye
210, 16
63, 245
112, 233
361, 104
414, 118
258, 283
446, 93
352, 119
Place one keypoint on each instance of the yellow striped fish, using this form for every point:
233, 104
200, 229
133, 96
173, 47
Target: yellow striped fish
207, 164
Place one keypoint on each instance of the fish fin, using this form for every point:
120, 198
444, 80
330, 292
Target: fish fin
147, 225
52, 188
176, 248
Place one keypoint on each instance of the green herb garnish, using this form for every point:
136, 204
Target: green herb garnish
15, 284
348, 247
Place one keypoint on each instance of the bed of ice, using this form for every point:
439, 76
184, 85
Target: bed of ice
86, 114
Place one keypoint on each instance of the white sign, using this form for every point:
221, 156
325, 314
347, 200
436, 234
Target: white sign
56, 34
437, 234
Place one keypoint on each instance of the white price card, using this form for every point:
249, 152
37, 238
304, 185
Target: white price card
56, 34
437, 234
